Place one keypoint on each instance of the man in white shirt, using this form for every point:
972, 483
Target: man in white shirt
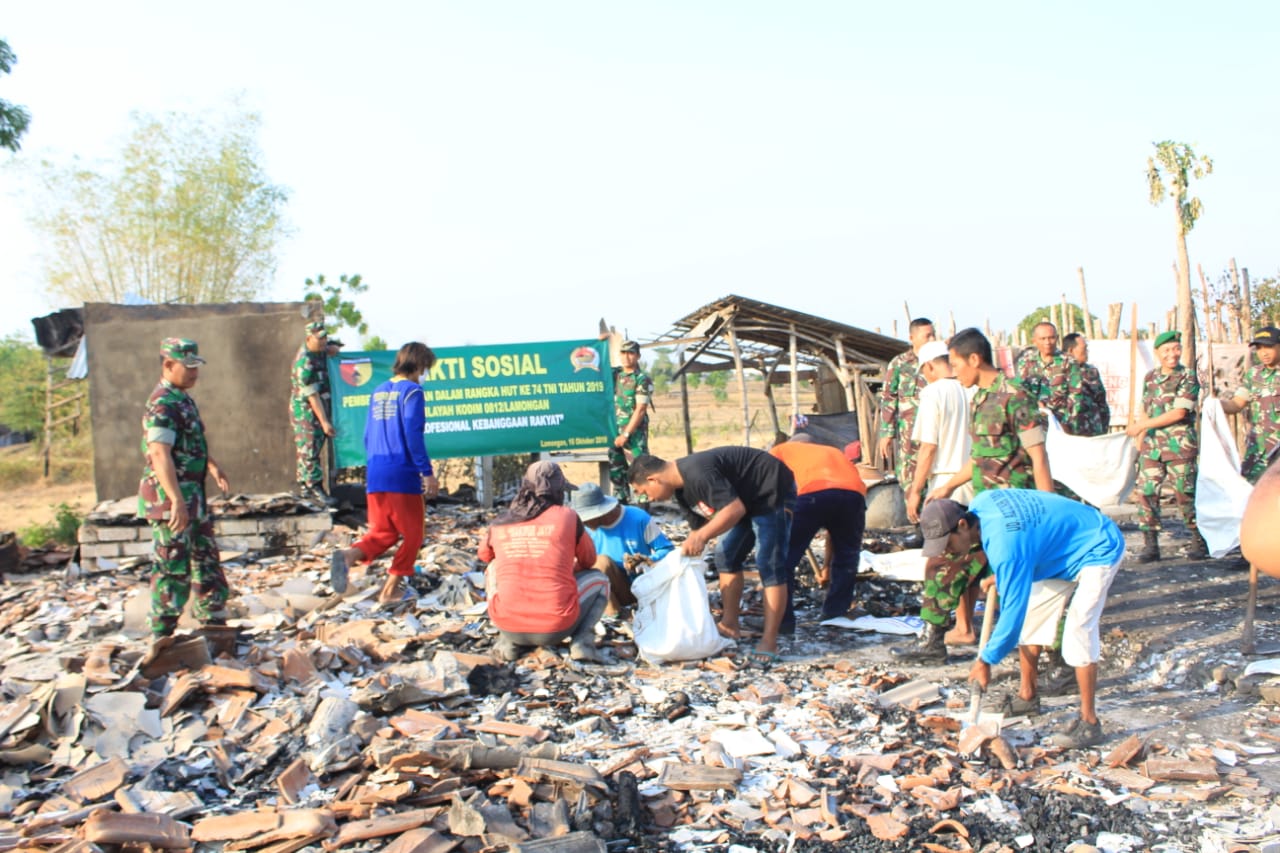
941, 430
941, 434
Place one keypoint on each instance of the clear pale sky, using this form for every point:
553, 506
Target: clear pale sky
514, 171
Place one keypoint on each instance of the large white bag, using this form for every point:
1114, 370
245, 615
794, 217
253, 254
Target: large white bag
1100, 468
1221, 492
673, 615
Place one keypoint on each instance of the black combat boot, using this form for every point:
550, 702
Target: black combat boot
929, 648
1150, 552
1198, 549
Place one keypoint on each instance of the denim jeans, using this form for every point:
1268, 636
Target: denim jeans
769, 534
842, 513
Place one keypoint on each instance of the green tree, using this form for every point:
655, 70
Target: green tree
22, 381
186, 214
1176, 163
694, 379
718, 382
661, 369
14, 120
340, 307
1264, 299
1028, 323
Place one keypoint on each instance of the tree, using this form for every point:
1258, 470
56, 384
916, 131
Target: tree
718, 382
1028, 323
22, 385
187, 214
661, 370
14, 119
338, 306
1177, 163
1264, 297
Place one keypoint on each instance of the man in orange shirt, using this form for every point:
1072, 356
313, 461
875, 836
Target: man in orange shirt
830, 496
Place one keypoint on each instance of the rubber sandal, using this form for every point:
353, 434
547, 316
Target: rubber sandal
761, 659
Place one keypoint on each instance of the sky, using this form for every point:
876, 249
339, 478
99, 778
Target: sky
503, 172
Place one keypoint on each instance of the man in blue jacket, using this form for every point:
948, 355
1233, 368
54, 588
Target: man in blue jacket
1044, 551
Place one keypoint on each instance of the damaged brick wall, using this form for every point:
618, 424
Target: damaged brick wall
243, 392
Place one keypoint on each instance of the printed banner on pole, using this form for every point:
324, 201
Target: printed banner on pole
488, 401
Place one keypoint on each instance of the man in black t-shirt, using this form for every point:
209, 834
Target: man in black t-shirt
745, 497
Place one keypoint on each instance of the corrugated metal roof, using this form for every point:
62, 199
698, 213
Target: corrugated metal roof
764, 332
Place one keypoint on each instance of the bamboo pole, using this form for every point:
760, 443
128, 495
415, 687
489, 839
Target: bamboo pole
1068, 321
1114, 312
1208, 338
1133, 361
742, 385
795, 379
906, 309
1084, 305
1246, 307
768, 395
684, 405
951, 329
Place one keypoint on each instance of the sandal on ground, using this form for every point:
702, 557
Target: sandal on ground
1013, 705
762, 659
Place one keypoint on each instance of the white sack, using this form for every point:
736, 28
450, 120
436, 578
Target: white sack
1100, 468
673, 615
1221, 492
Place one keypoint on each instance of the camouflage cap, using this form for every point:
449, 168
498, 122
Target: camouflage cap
184, 350
630, 346
317, 329
1167, 337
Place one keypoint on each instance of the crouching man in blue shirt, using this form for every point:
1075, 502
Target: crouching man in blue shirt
1045, 551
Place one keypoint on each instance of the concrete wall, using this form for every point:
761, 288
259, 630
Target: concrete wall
263, 533
243, 391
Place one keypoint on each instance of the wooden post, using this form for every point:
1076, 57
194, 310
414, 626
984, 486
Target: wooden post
907, 310
1246, 307
684, 406
1114, 313
1089, 331
1208, 338
47, 450
849, 395
1068, 321
742, 385
768, 395
951, 333
795, 378
1133, 361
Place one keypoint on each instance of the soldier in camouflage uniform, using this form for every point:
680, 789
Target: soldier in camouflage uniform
1259, 393
1168, 446
178, 460
898, 398
309, 410
1050, 376
632, 397
1007, 433
1095, 411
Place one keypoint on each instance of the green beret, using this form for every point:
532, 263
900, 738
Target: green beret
1167, 337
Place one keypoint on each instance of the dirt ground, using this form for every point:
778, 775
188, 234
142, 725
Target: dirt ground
27, 505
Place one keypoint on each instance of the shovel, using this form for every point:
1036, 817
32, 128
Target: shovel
988, 620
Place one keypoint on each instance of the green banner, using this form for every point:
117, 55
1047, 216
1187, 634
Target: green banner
488, 401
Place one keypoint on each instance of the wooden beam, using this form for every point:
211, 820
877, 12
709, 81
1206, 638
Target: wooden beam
742, 385
795, 381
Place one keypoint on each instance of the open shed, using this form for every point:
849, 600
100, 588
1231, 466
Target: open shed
786, 346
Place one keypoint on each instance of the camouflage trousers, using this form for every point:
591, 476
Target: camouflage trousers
904, 462
638, 445
186, 562
944, 589
309, 438
1152, 474
1255, 458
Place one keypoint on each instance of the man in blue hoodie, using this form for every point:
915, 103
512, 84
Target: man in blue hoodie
1044, 551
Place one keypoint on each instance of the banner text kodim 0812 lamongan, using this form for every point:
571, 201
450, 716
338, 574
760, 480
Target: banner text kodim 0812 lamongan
488, 401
